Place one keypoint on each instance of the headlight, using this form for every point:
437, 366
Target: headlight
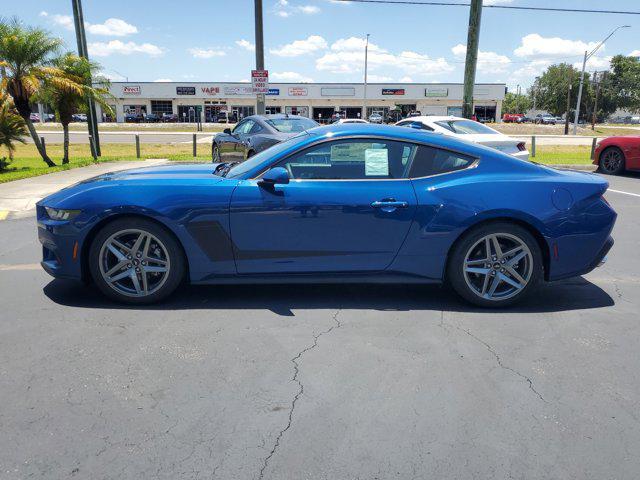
61, 214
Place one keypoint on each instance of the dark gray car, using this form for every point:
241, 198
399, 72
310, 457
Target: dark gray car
255, 134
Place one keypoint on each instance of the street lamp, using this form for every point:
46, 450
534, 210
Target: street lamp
587, 56
364, 98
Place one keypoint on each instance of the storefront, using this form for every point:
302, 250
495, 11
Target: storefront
205, 101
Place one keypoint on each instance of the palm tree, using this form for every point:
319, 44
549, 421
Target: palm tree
12, 128
67, 101
26, 55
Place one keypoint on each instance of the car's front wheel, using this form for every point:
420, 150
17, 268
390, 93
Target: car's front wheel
134, 260
612, 161
495, 265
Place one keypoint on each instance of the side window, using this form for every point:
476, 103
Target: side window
352, 159
244, 127
255, 128
408, 123
429, 161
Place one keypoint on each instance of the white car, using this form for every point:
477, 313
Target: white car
375, 118
469, 130
349, 120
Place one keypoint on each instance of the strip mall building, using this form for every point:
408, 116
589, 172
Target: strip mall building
191, 101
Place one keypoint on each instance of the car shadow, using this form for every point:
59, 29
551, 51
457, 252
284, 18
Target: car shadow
573, 294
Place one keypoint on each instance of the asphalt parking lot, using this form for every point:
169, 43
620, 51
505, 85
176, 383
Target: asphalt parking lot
321, 382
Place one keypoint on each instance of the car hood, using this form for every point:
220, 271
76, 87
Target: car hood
163, 174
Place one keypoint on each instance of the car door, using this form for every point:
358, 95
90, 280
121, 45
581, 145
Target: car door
229, 149
242, 135
348, 208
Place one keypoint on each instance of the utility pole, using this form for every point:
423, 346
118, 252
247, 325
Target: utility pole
566, 120
260, 108
364, 99
595, 107
587, 56
473, 38
92, 119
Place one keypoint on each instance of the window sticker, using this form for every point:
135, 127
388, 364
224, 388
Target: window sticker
376, 162
348, 152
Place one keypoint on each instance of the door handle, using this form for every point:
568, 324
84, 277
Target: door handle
389, 205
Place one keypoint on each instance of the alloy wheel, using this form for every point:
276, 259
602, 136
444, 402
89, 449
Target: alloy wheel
611, 160
134, 263
498, 266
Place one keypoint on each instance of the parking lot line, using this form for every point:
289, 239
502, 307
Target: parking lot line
624, 193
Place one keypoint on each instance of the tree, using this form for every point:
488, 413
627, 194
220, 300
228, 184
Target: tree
514, 103
26, 54
12, 129
67, 101
625, 82
552, 86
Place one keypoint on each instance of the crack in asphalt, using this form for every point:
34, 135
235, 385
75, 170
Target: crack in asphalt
502, 365
296, 372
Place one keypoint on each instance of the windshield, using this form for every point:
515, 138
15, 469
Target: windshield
291, 125
465, 127
259, 158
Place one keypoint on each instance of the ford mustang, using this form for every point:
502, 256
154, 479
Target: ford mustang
341, 203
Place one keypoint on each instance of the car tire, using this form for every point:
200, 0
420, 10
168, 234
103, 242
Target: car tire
612, 161
489, 279
136, 261
215, 153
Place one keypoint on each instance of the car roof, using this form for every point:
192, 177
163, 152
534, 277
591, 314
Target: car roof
434, 118
274, 116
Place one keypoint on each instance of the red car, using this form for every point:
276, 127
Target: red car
614, 155
513, 118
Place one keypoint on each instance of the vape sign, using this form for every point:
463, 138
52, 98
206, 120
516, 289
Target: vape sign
260, 81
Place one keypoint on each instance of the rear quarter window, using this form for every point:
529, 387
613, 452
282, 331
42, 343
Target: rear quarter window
430, 161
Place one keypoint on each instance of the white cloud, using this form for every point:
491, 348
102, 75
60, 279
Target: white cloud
289, 77
488, 62
64, 21
112, 76
635, 53
284, 9
246, 44
406, 79
379, 78
532, 69
206, 52
44, 14
309, 9
496, 2
163, 80
347, 56
104, 49
595, 63
114, 27
300, 47
537, 46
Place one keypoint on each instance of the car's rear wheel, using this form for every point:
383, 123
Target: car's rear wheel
612, 161
136, 261
215, 153
495, 265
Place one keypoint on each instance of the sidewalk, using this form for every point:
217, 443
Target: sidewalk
18, 199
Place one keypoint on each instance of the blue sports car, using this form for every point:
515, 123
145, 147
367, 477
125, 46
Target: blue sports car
343, 203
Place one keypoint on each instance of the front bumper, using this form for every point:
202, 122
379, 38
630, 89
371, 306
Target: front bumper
60, 248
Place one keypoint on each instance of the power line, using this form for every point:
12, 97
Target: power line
504, 7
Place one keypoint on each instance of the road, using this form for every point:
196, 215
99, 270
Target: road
321, 382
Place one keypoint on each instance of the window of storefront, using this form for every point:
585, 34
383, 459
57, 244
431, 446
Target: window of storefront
384, 111
242, 111
273, 110
302, 111
189, 113
135, 109
454, 111
161, 106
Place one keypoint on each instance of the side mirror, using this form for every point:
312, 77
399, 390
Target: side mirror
227, 131
416, 125
273, 177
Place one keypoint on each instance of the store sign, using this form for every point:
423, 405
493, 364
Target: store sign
238, 90
131, 90
260, 81
393, 91
210, 90
481, 91
436, 92
298, 91
273, 91
185, 90
338, 92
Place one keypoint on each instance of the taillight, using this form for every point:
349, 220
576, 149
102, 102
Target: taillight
522, 147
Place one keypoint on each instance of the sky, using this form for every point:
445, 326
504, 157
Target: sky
323, 40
